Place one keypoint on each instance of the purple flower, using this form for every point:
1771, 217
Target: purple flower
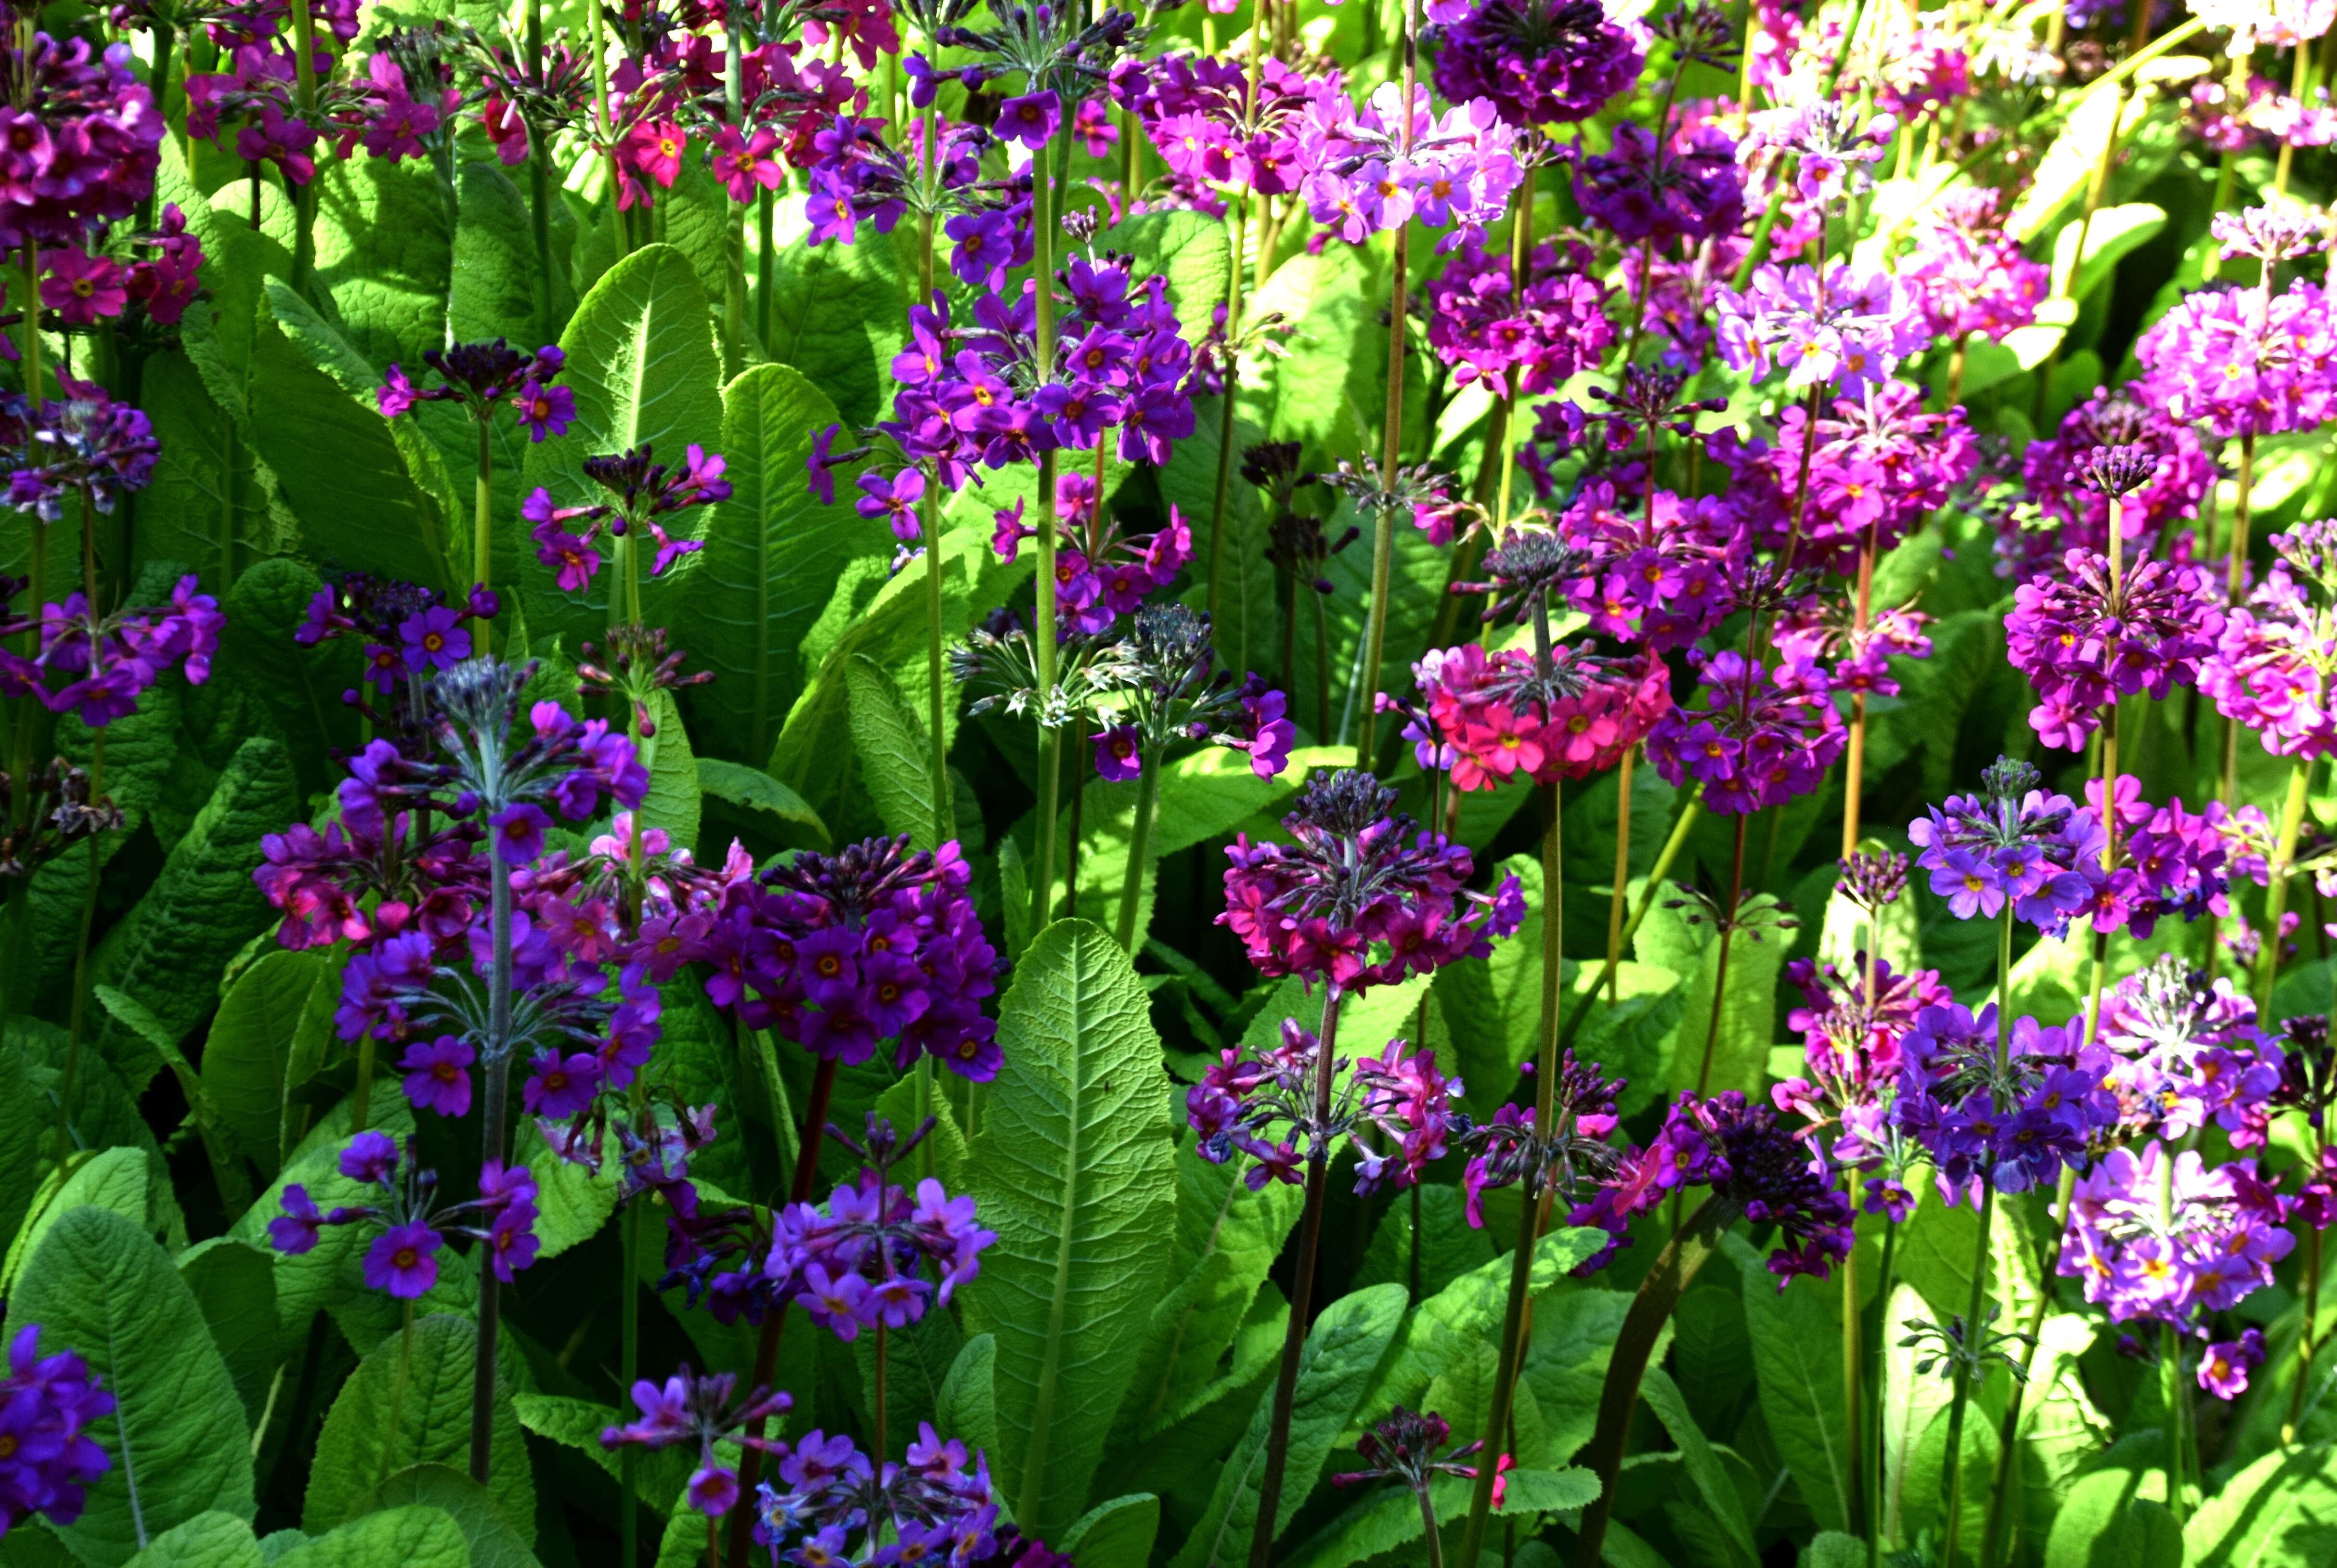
437, 1075
370, 1157
2084, 645
2225, 1365
1031, 120
545, 410
1848, 333
1540, 62
297, 1228
560, 1087
1117, 755
692, 1409
435, 640
519, 834
402, 1260
2212, 1242
47, 1405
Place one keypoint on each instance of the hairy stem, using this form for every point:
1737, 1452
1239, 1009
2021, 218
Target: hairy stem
1140, 843
493, 1109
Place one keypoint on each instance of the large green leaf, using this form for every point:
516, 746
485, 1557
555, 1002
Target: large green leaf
1227, 1237
495, 1542
1188, 249
2281, 1511
1075, 1175
178, 1440
1343, 1351
672, 801
1450, 1326
201, 909
206, 1541
416, 1537
1387, 1520
895, 757
658, 1474
1797, 1359
642, 364
836, 312
301, 688
339, 466
380, 1424
2116, 1515
492, 292
386, 248
234, 1284
1574, 1335
1739, 1048
1704, 1468
272, 1030
772, 557
1114, 1534
206, 504
740, 785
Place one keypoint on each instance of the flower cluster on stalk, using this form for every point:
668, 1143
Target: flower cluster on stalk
1397, 1110
410, 1225
47, 1406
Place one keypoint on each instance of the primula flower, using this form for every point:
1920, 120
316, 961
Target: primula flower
2083, 644
1358, 878
2210, 1242
689, 1408
1762, 736
47, 1458
1540, 61
1847, 333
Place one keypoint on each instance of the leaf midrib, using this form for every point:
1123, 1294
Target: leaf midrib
1035, 1458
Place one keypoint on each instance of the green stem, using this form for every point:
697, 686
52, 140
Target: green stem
81, 959
767, 261
734, 214
304, 198
601, 133
1512, 1345
1690, 1248
493, 1104
1720, 974
1392, 424
1975, 1331
539, 183
1871, 1460
483, 526
1662, 868
936, 663
2283, 863
1042, 272
1140, 843
1302, 1298
2170, 1354
628, 1364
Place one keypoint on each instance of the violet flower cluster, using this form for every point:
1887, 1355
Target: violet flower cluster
2206, 1244
2275, 657
47, 1406
877, 942
2007, 1122
2083, 644
1762, 736
402, 1258
1539, 61
1358, 881
1482, 325
1847, 330
97, 666
2057, 472
1661, 578
640, 492
2188, 1054
831, 1502
1398, 1110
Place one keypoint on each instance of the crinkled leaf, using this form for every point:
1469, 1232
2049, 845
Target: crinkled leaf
1343, 1350
1075, 1172
178, 1440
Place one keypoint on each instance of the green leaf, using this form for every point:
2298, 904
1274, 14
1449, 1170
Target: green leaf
201, 909
493, 291
1450, 1245
1574, 1333
1833, 1549
1387, 1520
234, 1284
207, 503
1075, 1175
642, 364
309, 1282
206, 1541
1320, 393
377, 1427
385, 249
1440, 1332
1343, 1351
178, 1440
671, 802
413, 1537
115, 1179
338, 465
1187, 248
2281, 1511
2111, 1519
757, 791
1227, 1237
773, 555
836, 312
1114, 1534
300, 688
494, 1542
1740, 1052
1797, 1359
1712, 1483
273, 1028
658, 1474
969, 1407
895, 757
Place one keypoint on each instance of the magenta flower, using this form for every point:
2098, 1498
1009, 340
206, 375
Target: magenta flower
435, 640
